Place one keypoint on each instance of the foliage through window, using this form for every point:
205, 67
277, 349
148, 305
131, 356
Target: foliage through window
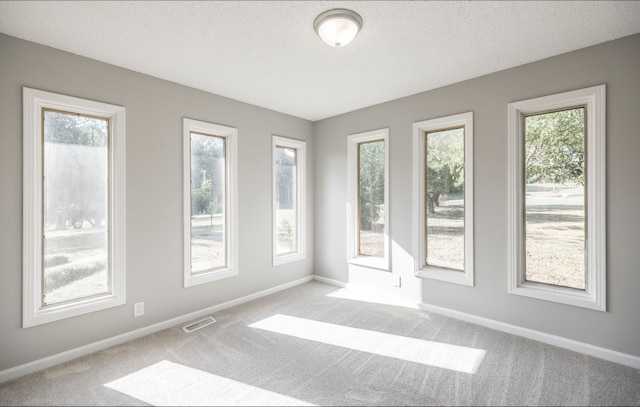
368, 199
444, 194
555, 233
371, 198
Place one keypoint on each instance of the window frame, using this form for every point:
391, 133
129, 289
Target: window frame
230, 135
353, 257
594, 295
301, 147
34, 311
466, 276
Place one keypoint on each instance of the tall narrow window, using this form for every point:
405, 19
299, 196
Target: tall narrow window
368, 199
289, 184
557, 198
554, 197
443, 198
208, 190
73, 206
75, 166
209, 206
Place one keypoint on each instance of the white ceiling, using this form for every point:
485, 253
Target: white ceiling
267, 54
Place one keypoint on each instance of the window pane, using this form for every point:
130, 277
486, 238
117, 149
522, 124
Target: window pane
445, 198
286, 200
75, 206
208, 187
371, 198
555, 197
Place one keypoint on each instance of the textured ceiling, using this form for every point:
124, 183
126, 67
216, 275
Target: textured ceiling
267, 54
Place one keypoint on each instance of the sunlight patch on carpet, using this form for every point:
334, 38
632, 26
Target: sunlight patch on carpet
437, 354
171, 384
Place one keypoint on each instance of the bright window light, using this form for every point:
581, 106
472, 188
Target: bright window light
171, 384
368, 199
288, 199
453, 357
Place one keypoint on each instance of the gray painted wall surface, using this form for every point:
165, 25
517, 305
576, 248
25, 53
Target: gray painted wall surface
155, 109
154, 112
616, 64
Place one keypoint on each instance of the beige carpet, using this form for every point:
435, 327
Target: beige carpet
317, 345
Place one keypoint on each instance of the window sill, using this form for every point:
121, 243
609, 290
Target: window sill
380, 263
562, 295
207, 277
448, 275
288, 258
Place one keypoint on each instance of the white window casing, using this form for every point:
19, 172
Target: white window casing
353, 256
230, 136
35, 311
594, 295
300, 200
423, 270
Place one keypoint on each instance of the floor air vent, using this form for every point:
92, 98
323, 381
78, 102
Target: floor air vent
199, 324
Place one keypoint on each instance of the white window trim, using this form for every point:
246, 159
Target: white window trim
301, 181
34, 313
594, 297
465, 277
382, 263
230, 135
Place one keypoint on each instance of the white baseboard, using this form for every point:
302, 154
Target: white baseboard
561, 342
330, 281
585, 348
18, 371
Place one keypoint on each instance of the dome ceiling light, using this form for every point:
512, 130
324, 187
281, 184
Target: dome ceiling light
337, 27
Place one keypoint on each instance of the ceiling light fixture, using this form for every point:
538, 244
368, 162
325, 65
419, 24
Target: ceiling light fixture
338, 27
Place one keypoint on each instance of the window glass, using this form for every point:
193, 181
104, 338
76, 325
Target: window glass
75, 206
288, 199
444, 197
368, 243
286, 216
555, 213
371, 198
208, 222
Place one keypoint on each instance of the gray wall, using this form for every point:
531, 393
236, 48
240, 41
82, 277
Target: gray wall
616, 64
154, 112
155, 109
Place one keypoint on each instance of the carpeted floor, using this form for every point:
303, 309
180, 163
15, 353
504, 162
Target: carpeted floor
316, 345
